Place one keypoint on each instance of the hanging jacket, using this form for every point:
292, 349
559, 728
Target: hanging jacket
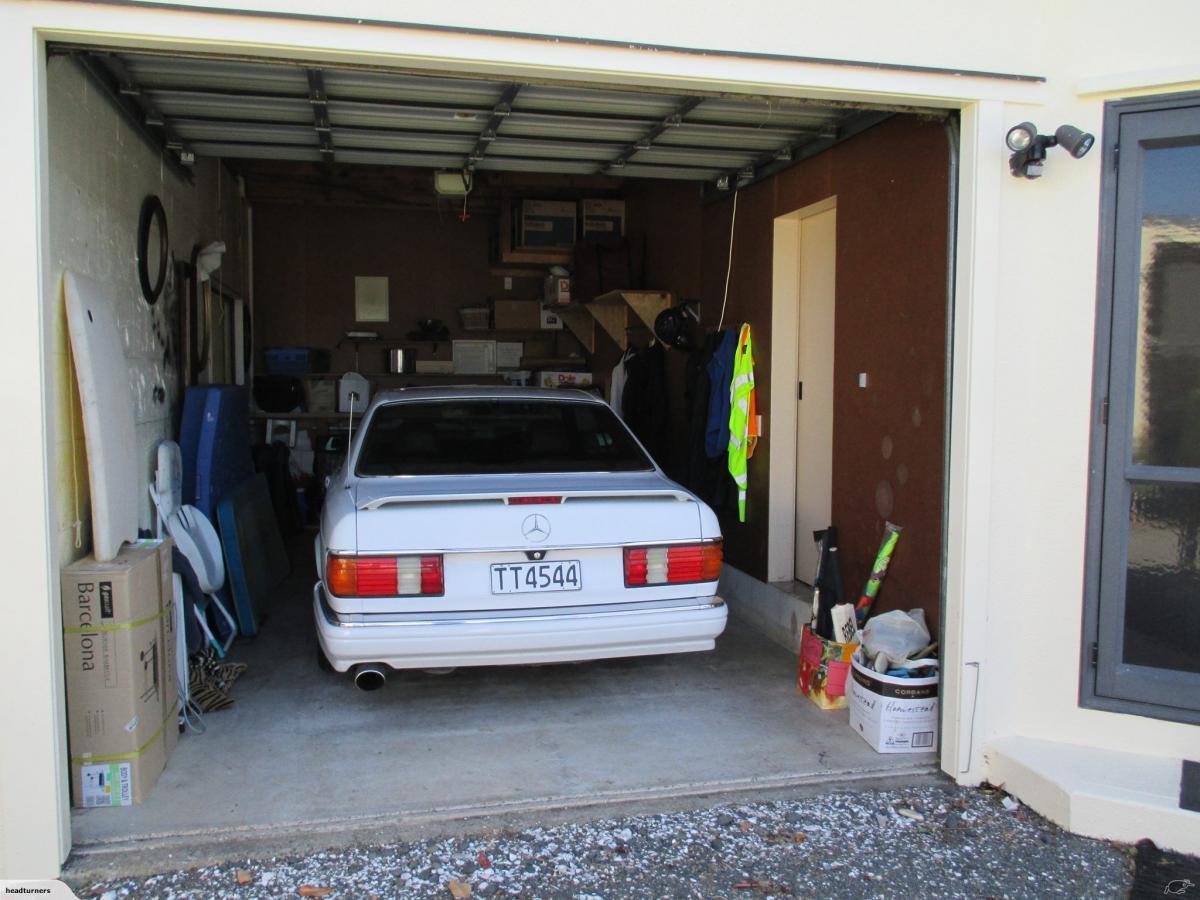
720, 374
741, 393
616, 389
646, 403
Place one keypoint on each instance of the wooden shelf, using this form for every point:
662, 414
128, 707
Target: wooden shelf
580, 323
517, 271
302, 416
616, 313
557, 362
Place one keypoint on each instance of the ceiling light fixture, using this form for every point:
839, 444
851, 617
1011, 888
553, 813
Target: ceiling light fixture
1029, 148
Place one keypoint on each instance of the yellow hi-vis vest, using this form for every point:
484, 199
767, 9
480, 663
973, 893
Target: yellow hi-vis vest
741, 390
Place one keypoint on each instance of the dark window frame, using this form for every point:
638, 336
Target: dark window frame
1097, 653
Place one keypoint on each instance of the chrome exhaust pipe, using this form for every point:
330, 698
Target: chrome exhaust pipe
370, 676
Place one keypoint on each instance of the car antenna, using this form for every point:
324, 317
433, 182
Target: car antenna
350, 423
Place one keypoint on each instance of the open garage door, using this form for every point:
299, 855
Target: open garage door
364, 211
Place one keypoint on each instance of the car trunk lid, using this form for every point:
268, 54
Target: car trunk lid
474, 524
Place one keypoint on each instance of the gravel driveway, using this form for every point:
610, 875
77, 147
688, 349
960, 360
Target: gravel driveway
923, 842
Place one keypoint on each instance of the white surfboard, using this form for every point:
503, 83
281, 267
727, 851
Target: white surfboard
108, 424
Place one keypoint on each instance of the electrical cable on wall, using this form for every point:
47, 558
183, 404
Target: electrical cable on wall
729, 262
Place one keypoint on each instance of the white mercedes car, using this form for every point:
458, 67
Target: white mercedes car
477, 526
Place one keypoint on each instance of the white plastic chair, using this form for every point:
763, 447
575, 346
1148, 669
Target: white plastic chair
195, 537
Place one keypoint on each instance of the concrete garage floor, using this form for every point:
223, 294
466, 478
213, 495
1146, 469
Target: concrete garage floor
304, 760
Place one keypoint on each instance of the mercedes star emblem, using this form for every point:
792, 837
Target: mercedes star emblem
535, 528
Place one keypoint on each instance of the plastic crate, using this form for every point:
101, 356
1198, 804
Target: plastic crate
474, 318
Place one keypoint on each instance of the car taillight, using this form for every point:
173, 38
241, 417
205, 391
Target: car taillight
384, 576
674, 564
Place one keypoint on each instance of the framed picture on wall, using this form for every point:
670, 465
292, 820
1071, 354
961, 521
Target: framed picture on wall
370, 298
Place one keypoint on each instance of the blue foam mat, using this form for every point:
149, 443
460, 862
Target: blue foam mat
223, 458
194, 399
256, 559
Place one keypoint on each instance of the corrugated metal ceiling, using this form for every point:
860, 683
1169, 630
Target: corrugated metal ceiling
238, 109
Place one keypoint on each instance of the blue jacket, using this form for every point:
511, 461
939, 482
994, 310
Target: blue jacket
720, 376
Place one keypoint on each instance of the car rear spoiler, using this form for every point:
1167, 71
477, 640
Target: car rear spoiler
506, 496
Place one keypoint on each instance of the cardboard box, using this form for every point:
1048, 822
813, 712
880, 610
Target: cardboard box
548, 379
516, 315
120, 694
603, 217
893, 715
168, 632
547, 223
823, 670
556, 290
550, 319
171, 625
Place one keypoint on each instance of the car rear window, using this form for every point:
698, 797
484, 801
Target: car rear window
493, 437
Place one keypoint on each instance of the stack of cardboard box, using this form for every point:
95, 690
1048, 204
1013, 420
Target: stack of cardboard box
119, 633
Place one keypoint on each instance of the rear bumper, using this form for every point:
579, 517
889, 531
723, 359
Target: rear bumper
513, 637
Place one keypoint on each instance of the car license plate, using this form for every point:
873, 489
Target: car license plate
532, 577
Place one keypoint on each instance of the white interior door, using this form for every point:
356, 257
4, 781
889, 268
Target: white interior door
814, 410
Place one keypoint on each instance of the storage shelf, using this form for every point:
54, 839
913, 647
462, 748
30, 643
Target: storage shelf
616, 313
558, 362
302, 416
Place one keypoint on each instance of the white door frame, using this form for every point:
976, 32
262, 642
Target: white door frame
785, 373
35, 833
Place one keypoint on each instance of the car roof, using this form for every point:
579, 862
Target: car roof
481, 392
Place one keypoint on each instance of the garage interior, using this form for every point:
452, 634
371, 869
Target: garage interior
313, 177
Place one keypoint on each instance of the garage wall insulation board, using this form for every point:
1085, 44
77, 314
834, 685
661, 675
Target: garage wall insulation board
108, 424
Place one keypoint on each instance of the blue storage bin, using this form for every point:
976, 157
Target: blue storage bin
294, 360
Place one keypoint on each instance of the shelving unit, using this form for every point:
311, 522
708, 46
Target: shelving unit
615, 313
302, 416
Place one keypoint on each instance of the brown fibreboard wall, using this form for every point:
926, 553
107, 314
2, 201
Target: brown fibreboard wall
891, 308
306, 259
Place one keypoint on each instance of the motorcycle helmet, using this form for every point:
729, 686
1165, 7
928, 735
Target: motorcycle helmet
671, 327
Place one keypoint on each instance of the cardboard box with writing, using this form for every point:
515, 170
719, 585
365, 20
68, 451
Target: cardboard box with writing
118, 686
603, 217
547, 223
893, 715
555, 379
556, 290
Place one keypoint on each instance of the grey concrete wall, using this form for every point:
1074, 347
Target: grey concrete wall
776, 612
100, 171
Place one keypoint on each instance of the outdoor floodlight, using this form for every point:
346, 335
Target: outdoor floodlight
1029, 148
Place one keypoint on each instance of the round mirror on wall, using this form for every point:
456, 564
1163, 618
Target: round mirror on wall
153, 249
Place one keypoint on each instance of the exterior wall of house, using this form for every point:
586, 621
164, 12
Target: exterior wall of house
1025, 311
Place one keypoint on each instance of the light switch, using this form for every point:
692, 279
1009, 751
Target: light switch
508, 282
862, 379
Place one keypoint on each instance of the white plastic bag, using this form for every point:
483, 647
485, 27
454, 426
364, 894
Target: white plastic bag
890, 638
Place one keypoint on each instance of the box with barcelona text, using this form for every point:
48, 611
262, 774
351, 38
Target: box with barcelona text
120, 693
